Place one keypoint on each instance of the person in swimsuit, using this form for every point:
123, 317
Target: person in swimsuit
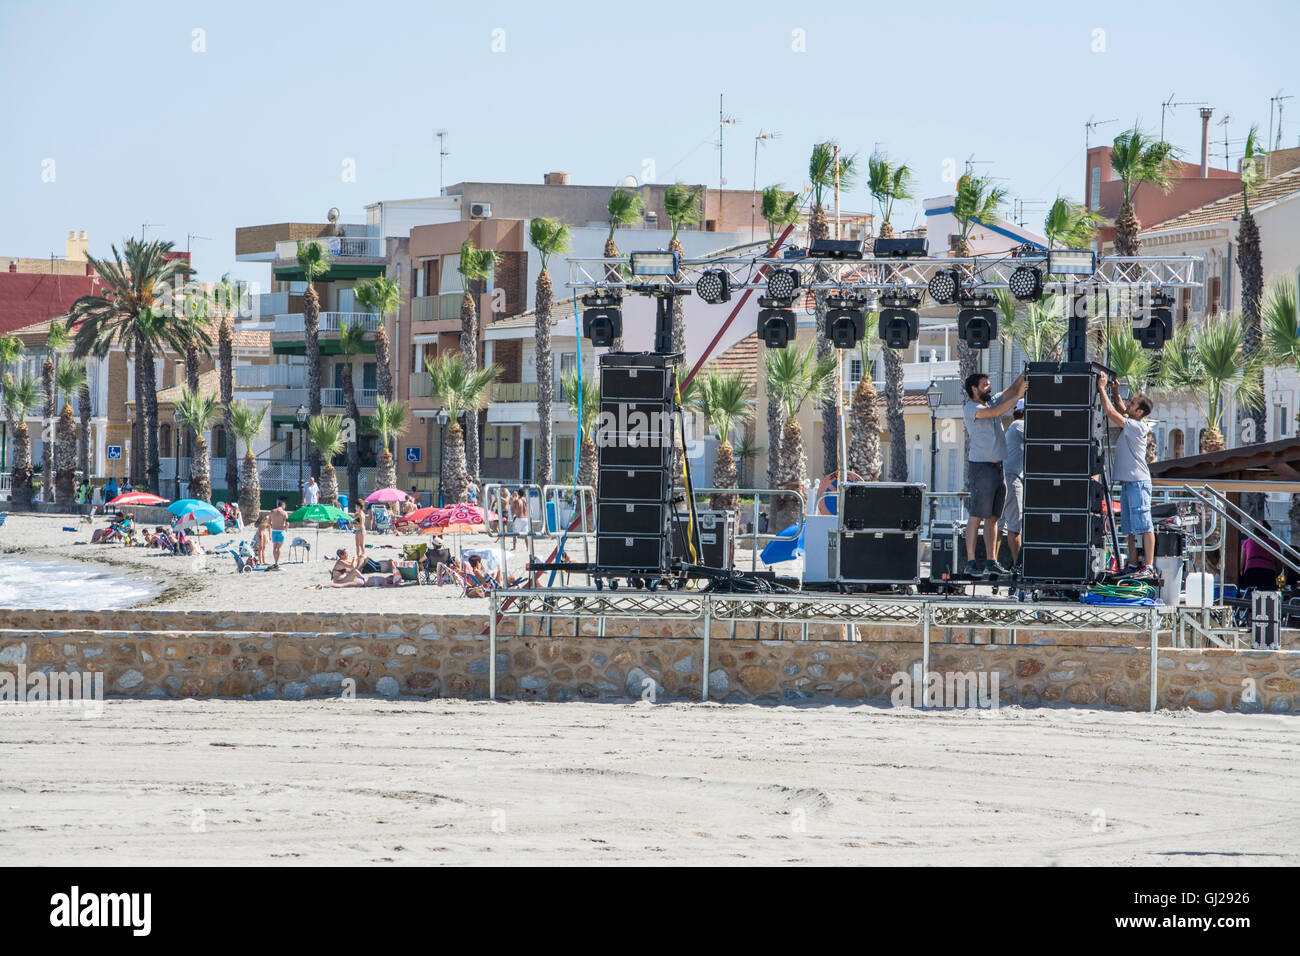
345, 574
279, 521
359, 532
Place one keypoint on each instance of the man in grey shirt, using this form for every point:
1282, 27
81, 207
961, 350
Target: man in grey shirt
1133, 475
1013, 470
988, 446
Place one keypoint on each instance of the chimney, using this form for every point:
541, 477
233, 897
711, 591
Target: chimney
13, 265
556, 179
1206, 113
75, 247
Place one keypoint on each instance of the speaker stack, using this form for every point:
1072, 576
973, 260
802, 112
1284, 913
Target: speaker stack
878, 541
1065, 440
634, 443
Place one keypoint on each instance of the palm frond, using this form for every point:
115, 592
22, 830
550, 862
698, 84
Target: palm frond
1281, 324
460, 387
325, 432
390, 419
682, 205
198, 411
22, 396
549, 237
247, 422
380, 295
624, 208
723, 400
583, 398
313, 258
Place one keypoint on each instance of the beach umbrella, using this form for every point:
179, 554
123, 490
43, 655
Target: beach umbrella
195, 519
420, 514
137, 498
458, 518
385, 495
317, 513
200, 509
785, 548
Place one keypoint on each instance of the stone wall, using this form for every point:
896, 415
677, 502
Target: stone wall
448, 657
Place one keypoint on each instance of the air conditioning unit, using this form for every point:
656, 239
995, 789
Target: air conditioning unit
480, 210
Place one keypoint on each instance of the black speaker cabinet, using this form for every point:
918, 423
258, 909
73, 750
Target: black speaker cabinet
631, 518
1078, 459
1058, 494
644, 553
638, 377
1061, 563
882, 506
1063, 527
1064, 425
651, 485
875, 557
614, 450
1060, 384
716, 530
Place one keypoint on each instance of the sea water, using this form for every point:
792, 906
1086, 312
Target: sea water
31, 583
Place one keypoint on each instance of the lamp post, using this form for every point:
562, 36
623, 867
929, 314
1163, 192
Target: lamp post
933, 397
176, 447
443, 418
301, 415
135, 445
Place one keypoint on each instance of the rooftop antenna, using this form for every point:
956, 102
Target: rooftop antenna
1224, 123
1089, 126
724, 120
442, 158
190, 236
1279, 99
1169, 105
762, 137
149, 225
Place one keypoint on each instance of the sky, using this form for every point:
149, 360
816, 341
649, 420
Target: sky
198, 117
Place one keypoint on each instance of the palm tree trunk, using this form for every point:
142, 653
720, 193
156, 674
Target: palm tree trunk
454, 478
200, 485
65, 463
21, 483
894, 415
587, 463
140, 449
1127, 228
386, 475
192, 383
383, 362
611, 275
544, 383
819, 228
864, 445
311, 335
1254, 427
794, 474
225, 354
469, 352
47, 427
354, 453
724, 476
83, 403
250, 490
151, 418
775, 425
329, 484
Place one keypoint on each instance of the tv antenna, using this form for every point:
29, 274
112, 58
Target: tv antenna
761, 138
724, 120
1089, 126
442, 157
1278, 99
1224, 123
1169, 105
149, 225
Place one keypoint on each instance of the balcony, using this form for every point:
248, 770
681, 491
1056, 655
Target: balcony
523, 392
292, 323
420, 386
338, 247
330, 398
270, 376
436, 308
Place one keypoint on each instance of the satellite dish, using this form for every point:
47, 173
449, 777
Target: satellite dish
629, 181
333, 214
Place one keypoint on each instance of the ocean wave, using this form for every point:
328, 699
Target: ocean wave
57, 585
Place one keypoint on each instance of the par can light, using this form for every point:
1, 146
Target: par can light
1026, 283
783, 283
944, 286
714, 287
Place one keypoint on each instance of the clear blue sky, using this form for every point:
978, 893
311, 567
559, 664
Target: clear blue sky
256, 128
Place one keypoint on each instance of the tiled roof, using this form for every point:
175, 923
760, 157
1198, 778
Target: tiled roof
28, 299
252, 340
912, 398
1229, 207
209, 384
741, 358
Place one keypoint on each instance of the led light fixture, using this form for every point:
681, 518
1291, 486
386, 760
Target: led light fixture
655, 263
714, 287
1071, 262
783, 284
944, 286
1026, 283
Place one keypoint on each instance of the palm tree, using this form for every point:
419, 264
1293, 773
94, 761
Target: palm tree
583, 398
977, 201
247, 424
461, 389
475, 266
1211, 364
796, 375
352, 342
827, 168
780, 209
1282, 347
20, 398
549, 237
390, 421
135, 282
723, 401
1037, 327
325, 432
192, 331
70, 378
623, 208
684, 206
314, 261
230, 298
1137, 157
1250, 262
888, 183
198, 412
382, 296
56, 340
1070, 225
11, 350
864, 416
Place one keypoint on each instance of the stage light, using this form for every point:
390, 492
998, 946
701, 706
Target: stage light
900, 248
944, 286
1153, 323
977, 327
602, 325
1026, 283
776, 325
783, 284
845, 322
899, 322
1071, 262
655, 263
835, 249
714, 287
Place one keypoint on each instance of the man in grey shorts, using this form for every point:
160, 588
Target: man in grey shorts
1013, 470
988, 447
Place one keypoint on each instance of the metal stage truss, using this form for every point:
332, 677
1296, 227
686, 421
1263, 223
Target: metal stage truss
911, 276
804, 608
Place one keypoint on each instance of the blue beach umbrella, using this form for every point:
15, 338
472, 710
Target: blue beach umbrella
201, 509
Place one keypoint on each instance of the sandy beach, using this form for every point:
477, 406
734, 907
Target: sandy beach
210, 583
448, 781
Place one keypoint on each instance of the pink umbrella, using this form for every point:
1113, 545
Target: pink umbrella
137, 498
457, 518
386, 495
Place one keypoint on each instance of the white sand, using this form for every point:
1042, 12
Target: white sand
212, 583
368, 781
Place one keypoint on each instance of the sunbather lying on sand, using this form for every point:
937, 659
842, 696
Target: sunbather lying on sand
345, 574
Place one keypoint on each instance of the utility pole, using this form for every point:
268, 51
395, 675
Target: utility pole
442, 158
1224, 123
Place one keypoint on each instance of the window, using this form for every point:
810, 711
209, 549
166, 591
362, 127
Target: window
1212, 294
369, 380
490, 441
855, 371
1094, 194
218, 442
419, 283
564, 459
165, 441
1280, 415
1176, 443
505, 442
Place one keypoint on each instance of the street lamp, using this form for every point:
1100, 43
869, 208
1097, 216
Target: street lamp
176, 447
135, 445
301, 415
443, 418
934, 398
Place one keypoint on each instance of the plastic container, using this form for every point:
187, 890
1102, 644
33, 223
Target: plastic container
1199, 590
1171, 572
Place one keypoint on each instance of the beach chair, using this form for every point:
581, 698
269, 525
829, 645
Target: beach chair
383, 520
3, 515
300, 545
343, 524
468, 587
409, 570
